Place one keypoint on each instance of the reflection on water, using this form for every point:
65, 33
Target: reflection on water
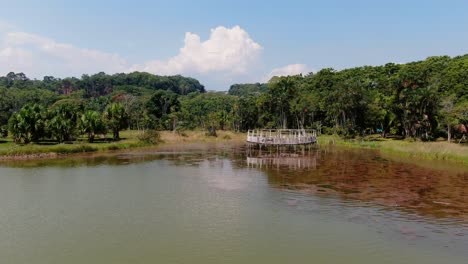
366, 176
290, 161
216, 204
440, 192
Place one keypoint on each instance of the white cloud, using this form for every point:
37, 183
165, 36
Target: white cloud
14, 57
291, 69
37, 55
228, 50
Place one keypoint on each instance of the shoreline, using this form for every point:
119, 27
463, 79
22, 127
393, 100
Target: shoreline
129, 142
435, 151
428, 151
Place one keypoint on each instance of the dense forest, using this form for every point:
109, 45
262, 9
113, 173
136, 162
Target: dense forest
425, 100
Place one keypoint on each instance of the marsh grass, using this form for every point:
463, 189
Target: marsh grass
405, 148
200, 136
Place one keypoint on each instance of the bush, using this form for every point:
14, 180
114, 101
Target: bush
327, 131
150, 137
211, 132
113, 147
410, 139
3, 132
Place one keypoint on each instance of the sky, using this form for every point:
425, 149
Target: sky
224, 42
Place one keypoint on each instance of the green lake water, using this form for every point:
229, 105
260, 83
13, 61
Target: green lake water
230, 205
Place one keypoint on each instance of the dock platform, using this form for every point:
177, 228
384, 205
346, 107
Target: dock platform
282, 137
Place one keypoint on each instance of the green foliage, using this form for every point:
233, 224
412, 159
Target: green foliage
248, 89
101, 84
214, 109
117, 118
421, 100
62, 121
3, 132
160, 107
28, 124
91, 123
279, 105
150, 137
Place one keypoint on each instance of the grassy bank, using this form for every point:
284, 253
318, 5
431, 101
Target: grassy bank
198, 136
400, 148
129, 139
421, 150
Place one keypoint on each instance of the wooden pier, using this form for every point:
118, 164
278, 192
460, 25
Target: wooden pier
282, 137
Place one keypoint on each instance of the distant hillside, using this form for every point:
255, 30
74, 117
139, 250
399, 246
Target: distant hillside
102, 84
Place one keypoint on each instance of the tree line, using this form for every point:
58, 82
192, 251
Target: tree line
425, 99
64, 122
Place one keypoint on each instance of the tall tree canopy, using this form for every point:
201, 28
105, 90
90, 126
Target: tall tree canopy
423, 99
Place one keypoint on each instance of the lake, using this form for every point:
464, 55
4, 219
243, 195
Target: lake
229, 204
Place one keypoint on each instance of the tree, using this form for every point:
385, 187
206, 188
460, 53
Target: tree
281, 91
461, 114
28, 124
91, 123
248, 89
161, 105
62, 123
117, 118
448, 114
423, 99
245, 113
214, 109
3, 132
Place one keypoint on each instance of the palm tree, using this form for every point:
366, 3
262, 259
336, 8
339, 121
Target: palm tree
62, 123
28, 124
117, 118
91, 123
17, 129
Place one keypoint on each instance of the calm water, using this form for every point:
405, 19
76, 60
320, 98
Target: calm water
226, 205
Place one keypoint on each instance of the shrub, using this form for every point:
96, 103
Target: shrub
150, 137
3, 132
211, 132
113, 147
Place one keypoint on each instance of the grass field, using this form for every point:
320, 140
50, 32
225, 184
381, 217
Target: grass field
440, 150
129, 139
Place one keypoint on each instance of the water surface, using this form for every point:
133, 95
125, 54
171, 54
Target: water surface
226, 204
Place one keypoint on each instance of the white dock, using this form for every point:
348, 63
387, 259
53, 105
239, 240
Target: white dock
282, 137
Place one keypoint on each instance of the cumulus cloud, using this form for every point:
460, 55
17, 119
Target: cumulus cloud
30, 53
291, 69
228, 50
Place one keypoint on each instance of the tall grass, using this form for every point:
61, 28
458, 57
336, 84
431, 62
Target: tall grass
423, 150
200, 136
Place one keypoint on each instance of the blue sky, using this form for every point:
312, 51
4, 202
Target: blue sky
230, 41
